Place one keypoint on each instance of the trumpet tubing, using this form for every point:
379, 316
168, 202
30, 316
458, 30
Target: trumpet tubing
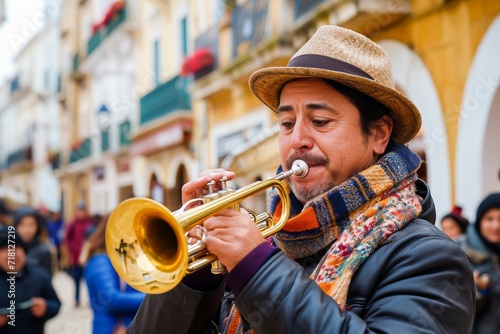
146, 242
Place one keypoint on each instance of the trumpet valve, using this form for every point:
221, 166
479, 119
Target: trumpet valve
211, 194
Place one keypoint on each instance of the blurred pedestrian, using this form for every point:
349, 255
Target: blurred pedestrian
96, 220
4, 213
454, 224
75, 237
113, 302
55, 228
33, 299
482, 245
31, 228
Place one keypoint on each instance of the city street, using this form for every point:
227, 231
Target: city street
70, 320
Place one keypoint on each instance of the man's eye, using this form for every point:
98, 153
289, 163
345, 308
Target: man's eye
320, 122
287, 124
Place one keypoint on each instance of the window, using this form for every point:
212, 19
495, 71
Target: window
156, 61
184, 36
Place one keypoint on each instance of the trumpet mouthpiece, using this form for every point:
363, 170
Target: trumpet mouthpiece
300, 168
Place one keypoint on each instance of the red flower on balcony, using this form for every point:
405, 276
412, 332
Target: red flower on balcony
200, 59
76, 144
112, 13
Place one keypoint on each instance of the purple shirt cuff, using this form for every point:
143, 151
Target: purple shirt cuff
238, 278
203, 280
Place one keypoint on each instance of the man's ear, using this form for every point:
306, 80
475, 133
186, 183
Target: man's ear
382, 133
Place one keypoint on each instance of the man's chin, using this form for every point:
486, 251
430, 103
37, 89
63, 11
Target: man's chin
305, 194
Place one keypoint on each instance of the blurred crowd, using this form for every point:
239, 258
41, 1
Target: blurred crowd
35, 244
44, 245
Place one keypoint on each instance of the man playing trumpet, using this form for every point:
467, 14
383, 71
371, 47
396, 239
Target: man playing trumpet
359, 252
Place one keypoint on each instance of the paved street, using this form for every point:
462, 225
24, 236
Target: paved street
70, 320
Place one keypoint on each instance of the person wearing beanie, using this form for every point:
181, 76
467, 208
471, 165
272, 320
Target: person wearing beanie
453, 223
30, 225
27, 298
482, 245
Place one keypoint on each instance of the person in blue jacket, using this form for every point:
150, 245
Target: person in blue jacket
359, 252
113, 302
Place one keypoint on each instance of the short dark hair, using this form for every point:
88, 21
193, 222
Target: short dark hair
371, 111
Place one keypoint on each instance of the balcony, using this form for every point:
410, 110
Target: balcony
165, 99
364, 16
76, 73
249, 24
81, 150
302, 7
54, 159
115, 16
209, 40
20, 156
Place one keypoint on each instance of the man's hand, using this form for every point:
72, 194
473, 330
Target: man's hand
231, 235
482, 281
39, 307
198, 187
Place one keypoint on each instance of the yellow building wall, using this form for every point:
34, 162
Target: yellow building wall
446, 37
445, 34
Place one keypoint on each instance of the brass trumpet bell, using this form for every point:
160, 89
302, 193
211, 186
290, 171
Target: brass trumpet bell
146, 243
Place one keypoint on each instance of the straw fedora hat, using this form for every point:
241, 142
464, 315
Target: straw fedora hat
345, 56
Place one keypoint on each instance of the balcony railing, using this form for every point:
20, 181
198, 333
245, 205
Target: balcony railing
105, 31
82, 151
55, 160
302, 7
208, 40
250, 25
21, 155
165, 99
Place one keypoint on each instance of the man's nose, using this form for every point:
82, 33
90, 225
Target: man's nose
301, 136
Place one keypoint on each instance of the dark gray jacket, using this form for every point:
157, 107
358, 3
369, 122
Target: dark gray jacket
419, 281
485, 262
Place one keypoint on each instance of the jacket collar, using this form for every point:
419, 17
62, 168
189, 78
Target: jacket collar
428, 208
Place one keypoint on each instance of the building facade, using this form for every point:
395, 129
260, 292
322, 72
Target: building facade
126, 110
442, 53
29, 122
97, 107
153, 92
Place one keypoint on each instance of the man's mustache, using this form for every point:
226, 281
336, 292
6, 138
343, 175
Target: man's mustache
310, 159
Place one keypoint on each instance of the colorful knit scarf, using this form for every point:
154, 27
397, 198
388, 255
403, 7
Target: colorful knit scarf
359, 215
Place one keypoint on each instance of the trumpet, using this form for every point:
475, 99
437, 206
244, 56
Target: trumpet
147, 243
